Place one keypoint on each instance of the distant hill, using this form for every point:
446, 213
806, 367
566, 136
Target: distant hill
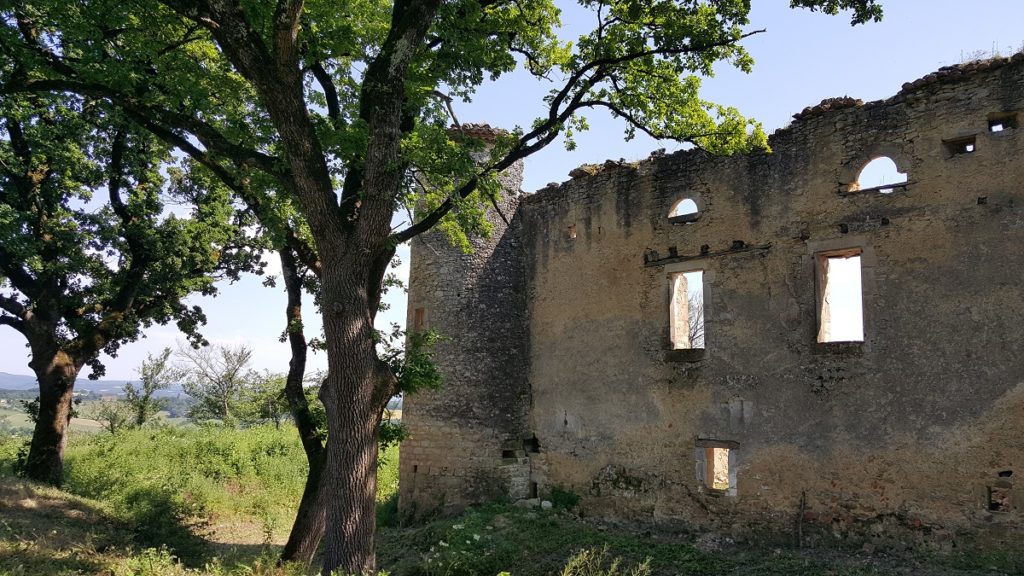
16, 382
83, 384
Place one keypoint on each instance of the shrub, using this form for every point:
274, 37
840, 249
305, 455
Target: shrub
566, 499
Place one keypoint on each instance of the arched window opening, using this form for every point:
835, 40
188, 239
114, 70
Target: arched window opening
881, 175
684, 210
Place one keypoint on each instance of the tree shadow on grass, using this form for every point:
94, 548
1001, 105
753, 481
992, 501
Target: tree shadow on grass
46, 531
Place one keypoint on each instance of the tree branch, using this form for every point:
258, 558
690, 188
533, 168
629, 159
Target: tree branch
575, 88
330, 90
206, 134
115, 176
17, 275
277, 80
286, 31
13, 322
306, 253
11, 305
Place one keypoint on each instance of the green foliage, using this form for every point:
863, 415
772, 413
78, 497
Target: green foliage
112, 264
562, 498
387, 486
113, 415
594, 562
411, 357
642, 63
31, 409
263, 400
12, 453
161, 562
863, 10
217, 378
153, 476
496, 539
155, 374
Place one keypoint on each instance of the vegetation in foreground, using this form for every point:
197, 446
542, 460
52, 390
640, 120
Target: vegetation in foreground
215, 501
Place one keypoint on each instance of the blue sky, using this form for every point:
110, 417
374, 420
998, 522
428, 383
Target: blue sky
801, 59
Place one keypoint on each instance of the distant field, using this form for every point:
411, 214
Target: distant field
14, 417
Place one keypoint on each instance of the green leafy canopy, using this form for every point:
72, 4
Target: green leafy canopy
643, 62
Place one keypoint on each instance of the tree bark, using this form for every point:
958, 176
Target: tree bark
357, 388
308, 529
56, 373
348, 488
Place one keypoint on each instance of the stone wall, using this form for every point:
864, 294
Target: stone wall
467, 440
912, 435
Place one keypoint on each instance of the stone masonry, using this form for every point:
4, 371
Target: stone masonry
561, 372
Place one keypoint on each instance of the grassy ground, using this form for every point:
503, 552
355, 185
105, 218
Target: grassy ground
218, 502
490, 539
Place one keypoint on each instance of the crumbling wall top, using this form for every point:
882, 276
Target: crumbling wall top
484, 132
929, 83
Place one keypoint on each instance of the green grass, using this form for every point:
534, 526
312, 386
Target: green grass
216, 501
163, 501
215, 474
495, 538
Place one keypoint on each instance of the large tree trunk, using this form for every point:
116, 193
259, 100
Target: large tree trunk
348, 489
355, 392
308, 529
56, 373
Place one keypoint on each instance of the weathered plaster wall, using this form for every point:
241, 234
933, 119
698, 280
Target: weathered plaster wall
901, 435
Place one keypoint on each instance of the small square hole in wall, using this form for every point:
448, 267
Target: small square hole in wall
508, 453
1002, 121
957, 146
572, 232
998, 498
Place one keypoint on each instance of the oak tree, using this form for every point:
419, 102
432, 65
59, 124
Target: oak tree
88, 256
339, 107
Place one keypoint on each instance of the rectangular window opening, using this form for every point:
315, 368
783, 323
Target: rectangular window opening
716, 466
419, 318
998, 498
686, 310
508, 454
840, 300
1002, 121
964, 145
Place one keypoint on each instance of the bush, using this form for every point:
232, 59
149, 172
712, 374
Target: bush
566, 499
13, 453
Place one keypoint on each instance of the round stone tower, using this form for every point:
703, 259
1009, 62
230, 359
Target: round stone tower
469, 441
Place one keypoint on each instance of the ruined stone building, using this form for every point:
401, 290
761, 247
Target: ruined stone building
899, 412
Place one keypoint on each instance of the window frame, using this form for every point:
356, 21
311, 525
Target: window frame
821, 266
